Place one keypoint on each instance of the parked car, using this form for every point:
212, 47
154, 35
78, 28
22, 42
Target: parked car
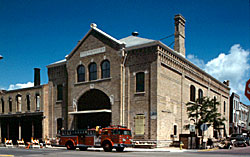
238, 140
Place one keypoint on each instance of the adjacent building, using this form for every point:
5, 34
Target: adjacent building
137, 82
238, 115
24, 112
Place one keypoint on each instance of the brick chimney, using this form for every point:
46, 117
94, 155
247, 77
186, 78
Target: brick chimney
226, 82
179, 34
37, 77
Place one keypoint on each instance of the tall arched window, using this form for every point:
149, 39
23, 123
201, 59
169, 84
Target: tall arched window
18, 103
2, 101
37, 102
140, 82
92, 71
192, 93
214, 102
10, 104
105, 69
80, 73
200, 94
28, 102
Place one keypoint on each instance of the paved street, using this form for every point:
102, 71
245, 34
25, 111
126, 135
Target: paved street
58, 152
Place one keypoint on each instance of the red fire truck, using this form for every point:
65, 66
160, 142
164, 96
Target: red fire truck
117, 137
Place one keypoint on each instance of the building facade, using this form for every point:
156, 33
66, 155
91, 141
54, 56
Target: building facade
137, 82
238, 115
24, 112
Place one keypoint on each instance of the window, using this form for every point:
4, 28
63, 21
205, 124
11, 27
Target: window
28, 102
10, 104
37, 102
80, 73
224, 107
192, 93
18, 103
2, 101
105, 69
59, 125
200, 92
139, 124
59, 92
92, 71
214, 102
140, 82
175, 129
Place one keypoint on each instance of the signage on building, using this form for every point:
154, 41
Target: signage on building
247, 90
92, 52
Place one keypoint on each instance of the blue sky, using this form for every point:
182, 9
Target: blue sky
35, 33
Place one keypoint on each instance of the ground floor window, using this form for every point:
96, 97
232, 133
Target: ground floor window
139, 124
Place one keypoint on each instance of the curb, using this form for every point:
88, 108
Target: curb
207, 150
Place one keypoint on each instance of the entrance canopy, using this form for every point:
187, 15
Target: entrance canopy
90, 111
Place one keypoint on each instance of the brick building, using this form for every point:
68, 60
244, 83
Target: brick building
24, 112
137, 82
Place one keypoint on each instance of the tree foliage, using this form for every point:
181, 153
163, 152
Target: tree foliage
205, 110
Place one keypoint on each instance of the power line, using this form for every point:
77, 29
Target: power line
167, 37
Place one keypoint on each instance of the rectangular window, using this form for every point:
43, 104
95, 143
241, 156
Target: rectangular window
59, 125
140, 81
139, 124
59, 92
175, 129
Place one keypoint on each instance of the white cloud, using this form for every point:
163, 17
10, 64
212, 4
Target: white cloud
233, 66
194, 59
20, 85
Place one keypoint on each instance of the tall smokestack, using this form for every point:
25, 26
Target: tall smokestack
179, 34
37, 77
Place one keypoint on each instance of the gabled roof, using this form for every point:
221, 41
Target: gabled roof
94, 28
135, 41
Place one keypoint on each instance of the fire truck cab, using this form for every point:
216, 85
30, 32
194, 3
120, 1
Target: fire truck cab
117, 137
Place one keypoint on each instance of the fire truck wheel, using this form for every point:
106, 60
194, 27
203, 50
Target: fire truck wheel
83, 148
70, 146
107, 147
119, 149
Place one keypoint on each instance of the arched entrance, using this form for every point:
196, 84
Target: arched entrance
94, 109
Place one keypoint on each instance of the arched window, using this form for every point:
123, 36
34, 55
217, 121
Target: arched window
140, 82
200, 94
28, 102
2, 101
10, 104
105, 69
92, 71
18, 103
192, 93
80, 73
214, 102
37, 102
175, 129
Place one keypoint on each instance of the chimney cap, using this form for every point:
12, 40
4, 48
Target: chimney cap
135, 33
179, 17
93, 25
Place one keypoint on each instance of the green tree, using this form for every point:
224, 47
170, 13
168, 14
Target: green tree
205, 110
